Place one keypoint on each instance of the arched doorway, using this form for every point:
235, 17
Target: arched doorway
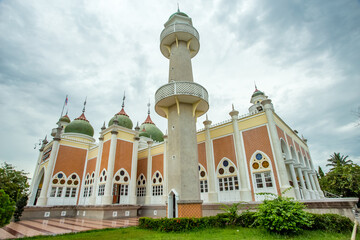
172, 208
38, 186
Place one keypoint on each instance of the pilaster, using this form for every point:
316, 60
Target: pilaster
92, 200
107, 198
134, 164
149, 175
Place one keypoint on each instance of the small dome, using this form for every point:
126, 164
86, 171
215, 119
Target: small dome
257, 93
65, 118
150, 130
123, 119
179, 13
80, 125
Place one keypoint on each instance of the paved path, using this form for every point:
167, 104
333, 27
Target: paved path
53, 226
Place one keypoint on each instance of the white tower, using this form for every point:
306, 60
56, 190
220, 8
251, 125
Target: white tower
181, 101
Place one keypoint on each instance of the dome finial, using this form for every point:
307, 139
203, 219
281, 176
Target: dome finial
232, 106
103, 127
178, 7
148, 107
255, 86
84, 105
123, 103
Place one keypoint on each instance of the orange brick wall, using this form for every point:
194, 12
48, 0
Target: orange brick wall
142, 167
280, 133
224, 147
123, 156
258, 139
105, 156
157, 164
297, 148
202, 154
290, 141
70, 160
190, 210
90, 166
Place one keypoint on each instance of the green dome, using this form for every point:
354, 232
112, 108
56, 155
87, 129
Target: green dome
257, 93
179, 13
151, 131
80, 125
65, 118
123, 119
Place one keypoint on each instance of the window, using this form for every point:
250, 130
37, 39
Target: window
157, 190
124, 190
90, 191
86, 190
53, 192
263, 180
67, 193
203, 186
203, 179
101, 190
73, 192
227, 176
59, 191
141, 191
141, 186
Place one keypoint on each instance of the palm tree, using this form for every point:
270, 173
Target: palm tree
337, 161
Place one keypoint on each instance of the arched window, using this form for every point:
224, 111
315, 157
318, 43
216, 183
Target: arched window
141, 186
89, 181
58, 184
121, 179
102, 181
157, 184
203, 179
227, 176
72, 184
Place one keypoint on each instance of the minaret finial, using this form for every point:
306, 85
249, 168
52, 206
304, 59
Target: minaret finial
123, 103
207, 117
255, 86
67, 111
148, 107
84, 105
232, 106
178, 7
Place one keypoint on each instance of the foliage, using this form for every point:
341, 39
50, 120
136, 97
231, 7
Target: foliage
13, 182
342, 180
331, 223
20, 204
231, 212
247, 219
282, 215
321, 173
337, 160
7, 208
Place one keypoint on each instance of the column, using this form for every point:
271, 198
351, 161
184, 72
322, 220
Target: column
213, 195
107, 198
35, 176
165, 161
149, 175
308, 184
42, 201
321, 193
134, 164
281, 168
302, 183
311, 173
245, 192
293, 176
92, 200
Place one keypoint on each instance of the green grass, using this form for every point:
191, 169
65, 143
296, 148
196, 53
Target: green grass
214, 233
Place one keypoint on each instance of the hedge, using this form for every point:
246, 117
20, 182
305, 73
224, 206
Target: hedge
325, 222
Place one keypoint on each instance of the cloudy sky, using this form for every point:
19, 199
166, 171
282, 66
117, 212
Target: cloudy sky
303, 54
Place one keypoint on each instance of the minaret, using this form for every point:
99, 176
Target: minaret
181, 101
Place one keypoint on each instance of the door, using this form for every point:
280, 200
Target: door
263, 184
116, 193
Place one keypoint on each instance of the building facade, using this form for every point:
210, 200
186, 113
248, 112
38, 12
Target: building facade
231, 161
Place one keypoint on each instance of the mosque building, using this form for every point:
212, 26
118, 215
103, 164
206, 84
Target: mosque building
184, 169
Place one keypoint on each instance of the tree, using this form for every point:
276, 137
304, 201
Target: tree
7, 208
321, 173
15, 184
337, 160
342, 180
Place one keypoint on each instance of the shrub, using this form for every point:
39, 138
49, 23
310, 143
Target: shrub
247, 219
282, 215
20, 204
7, 208
231, 213
331, 222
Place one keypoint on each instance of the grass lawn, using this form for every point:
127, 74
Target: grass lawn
214, 233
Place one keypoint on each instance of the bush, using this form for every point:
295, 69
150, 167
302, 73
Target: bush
247, 219
20, 204
7, 208
231, 212
282, 215
331, 223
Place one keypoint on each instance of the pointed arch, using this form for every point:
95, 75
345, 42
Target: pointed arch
228, 181
284, 149
203, 179
157, 184
141, 186
121, 176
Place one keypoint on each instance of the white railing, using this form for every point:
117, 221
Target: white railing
181, 88
179, 27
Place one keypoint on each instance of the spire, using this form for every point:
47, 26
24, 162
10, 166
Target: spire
123, 104
178, 7
255, 86
84, 105
82, 116
103, 127
233, 107
148, 119
122, 111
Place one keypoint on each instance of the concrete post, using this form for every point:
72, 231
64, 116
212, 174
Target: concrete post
321, 193
213, 195
281, 168
245, 192
302, 183
134, 164
308, 184
311, 173
149, 175
293, 176
42, 201
108, 198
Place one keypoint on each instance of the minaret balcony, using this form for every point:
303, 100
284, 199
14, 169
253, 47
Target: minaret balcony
179, 32
178, 92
